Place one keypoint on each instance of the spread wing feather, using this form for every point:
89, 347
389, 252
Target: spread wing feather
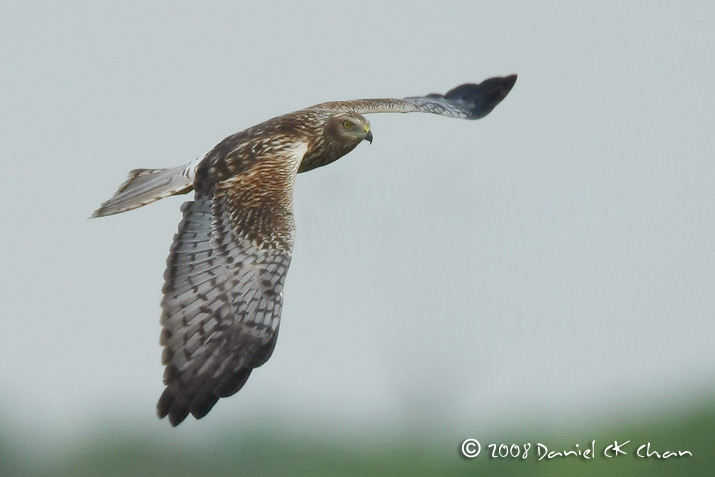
223, 289
467, 101
221, 310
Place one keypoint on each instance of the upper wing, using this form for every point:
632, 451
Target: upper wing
467, 101
224, 282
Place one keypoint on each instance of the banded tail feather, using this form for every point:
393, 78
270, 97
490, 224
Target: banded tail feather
144, 186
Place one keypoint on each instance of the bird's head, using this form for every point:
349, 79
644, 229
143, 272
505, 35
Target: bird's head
342, 132
350, 128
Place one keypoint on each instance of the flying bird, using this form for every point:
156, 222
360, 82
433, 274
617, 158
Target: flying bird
223, 289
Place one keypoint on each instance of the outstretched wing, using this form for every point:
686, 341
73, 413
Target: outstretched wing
467, 101
224, 279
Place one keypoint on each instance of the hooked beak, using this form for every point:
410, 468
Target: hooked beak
368, 137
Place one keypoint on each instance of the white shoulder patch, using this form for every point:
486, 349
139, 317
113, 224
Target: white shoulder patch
297, 152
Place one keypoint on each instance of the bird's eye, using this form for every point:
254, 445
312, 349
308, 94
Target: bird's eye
347, 124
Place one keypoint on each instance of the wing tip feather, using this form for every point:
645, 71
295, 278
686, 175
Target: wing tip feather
480, 99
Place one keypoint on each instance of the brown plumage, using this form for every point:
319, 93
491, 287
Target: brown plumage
227, 265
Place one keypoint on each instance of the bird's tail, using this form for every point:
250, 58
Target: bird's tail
144, 186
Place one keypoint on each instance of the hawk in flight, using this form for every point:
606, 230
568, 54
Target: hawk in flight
223, 289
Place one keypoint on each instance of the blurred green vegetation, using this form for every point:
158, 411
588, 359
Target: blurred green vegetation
276, 451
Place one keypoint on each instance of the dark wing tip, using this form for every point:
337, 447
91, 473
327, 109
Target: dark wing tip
480, 99
198, 400
178, 407
171, 405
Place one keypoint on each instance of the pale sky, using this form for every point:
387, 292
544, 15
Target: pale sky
552, 261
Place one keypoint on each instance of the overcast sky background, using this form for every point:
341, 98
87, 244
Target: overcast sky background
551, 262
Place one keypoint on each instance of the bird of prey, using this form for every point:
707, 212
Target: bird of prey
224, 278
